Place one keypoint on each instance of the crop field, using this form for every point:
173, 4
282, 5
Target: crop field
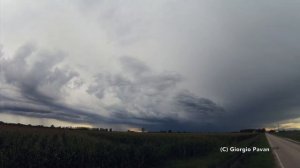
24, 146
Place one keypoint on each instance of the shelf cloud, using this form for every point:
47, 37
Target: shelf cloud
182, 65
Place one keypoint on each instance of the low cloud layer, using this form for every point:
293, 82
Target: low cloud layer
38, 84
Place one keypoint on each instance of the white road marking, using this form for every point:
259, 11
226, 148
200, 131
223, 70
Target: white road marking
281, 165
277, 156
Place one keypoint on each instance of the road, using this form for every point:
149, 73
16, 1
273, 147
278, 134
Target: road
287, 152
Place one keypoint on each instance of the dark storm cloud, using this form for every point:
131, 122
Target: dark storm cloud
152, 99
242, 55
144, 97
135, 83
36, 106
201, 107
39, 85
41, 81
257, 74
251, 63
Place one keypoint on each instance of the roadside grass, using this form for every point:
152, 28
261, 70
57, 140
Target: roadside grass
210, 161
259, 159
294, 135
218, 159
215, 157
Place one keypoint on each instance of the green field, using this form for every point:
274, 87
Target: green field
294, 135
22, 146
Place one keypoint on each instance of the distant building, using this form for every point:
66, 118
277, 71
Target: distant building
272, 131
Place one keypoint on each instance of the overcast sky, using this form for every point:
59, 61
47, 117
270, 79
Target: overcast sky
168, 64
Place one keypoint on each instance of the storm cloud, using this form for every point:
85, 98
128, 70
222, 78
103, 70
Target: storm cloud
136, 96
186, 65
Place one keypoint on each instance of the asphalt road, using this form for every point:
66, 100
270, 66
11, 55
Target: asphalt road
286, 152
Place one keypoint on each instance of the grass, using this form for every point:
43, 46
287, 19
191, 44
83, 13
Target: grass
247, 160
22, 146
295, 135
212, 160
259, 159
